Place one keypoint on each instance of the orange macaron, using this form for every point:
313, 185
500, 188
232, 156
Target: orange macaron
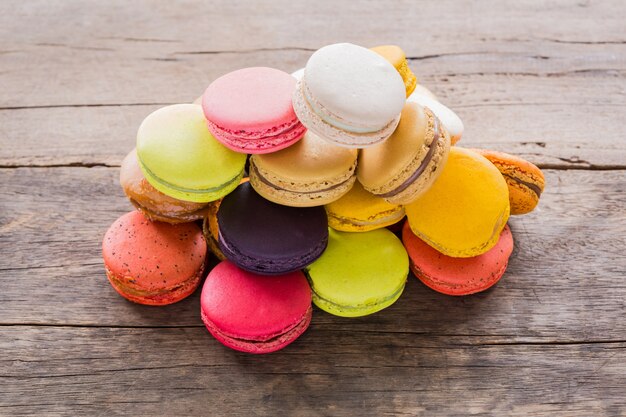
525, 180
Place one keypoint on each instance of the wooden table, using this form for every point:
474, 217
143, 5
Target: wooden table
544, 80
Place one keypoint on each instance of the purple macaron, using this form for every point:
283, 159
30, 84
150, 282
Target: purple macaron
268, 238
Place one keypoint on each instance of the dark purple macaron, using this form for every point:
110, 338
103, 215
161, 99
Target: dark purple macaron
267, 238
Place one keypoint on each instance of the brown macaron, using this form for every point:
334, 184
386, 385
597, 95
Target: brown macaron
152, 203
404, 166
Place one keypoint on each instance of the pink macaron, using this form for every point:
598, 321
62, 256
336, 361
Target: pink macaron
255, 313
250, 110
457, 276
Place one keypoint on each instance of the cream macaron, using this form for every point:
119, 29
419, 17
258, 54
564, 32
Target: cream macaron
349, 95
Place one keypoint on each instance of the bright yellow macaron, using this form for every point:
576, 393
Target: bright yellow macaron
465, 210
396, 57
361, 211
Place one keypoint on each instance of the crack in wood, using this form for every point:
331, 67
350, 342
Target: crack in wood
246, 51
55, 106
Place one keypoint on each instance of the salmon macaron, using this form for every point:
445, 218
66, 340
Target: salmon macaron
457, 276
153, 263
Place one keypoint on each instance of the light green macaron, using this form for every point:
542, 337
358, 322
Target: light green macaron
359, 273
179, 156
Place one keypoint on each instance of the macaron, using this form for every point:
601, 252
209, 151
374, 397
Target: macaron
250, 110
448, 118
349, 95
465, 210
151, 202
252, 313
311, 172
211, 230
362, 211
404, 166
524, 179
457, 276
396, 57
359, 273
153, 263
423, 91
268, 238
179, 157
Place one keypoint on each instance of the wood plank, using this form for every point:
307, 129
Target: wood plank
564, 282
339, 372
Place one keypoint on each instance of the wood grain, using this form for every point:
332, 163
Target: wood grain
543, 80
337, 372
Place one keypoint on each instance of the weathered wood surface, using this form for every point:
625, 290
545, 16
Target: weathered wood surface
545, 80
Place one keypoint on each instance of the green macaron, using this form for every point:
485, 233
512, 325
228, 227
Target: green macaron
359, 273
179, 156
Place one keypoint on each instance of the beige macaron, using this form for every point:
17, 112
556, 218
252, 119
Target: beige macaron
311, 172
404, 166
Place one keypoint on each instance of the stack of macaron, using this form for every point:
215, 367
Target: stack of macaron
299, 184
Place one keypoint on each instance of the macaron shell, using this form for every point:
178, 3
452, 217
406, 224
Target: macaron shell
179, 156
356, 85
450, 120
525, 180
387, 169
423, 91
250, 99
147, 258
361, 211
151, 202
268, 238
252, 308
359, 273
311, 172
457, 276
396, 57
465, 210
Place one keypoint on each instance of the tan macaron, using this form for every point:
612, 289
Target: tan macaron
404, 166
311, 172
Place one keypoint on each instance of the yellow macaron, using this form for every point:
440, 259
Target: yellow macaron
396, 57
361, 211
465, 210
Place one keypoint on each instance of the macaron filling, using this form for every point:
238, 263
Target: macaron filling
383, 218
533, 187
293, 127
126, 287
177, 216
410, 81
263, 343
255, 171
150, 174
421, 168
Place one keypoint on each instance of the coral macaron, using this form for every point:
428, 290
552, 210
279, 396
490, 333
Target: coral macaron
349, 95
153, 263
312, 172
457, 276
179, 157
250, 110
252, 313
